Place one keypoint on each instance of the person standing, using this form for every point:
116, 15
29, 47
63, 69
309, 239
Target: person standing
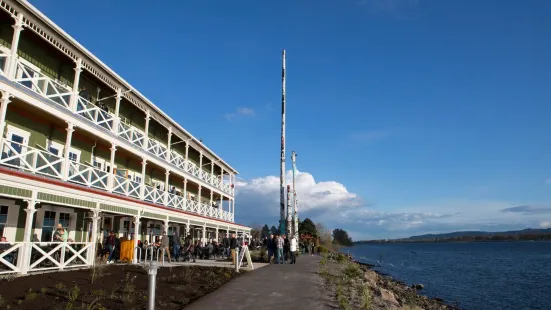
110, 243
293, 249
176, 245
226, 245
165, 245
270, 246
280, 244
233, 246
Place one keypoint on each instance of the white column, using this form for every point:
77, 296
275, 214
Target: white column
166, 227
185, 191
146, 131
25, 260
212, 172
17, 28
222, 178
216, 235
187, 228
76, 81
94, 235
204, 239
168, 146
111, 179
142, 188
117, 120
66, 161
187, 159
3, 110
211, 198
167, 176
136, 236
221, 201
199, 196
201, 165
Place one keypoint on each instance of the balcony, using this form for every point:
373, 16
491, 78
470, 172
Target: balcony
61, 95
38, 161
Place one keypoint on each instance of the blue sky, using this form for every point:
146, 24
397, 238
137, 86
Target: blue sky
409, 116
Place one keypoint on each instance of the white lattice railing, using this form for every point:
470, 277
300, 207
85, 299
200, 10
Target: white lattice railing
131, 134
153, 195
192, 168
175, 201
17, 155
177, 160
10, 254
157, 148
59, 255
127, 187
95, 114
43, 85
88, 176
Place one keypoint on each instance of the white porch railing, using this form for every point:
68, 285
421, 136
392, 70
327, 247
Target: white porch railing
131, 134
177, 160
192, 168
59, 255
43, 85
175, 201
157, 148
19, 156
10, 257
126, 187
95, 114
88, 176
153, 195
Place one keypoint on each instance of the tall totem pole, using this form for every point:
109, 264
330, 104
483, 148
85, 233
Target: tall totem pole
282, 167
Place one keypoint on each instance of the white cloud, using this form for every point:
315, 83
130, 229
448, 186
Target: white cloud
240, 112
329, 202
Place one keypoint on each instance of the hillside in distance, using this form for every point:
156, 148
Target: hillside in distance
524, 234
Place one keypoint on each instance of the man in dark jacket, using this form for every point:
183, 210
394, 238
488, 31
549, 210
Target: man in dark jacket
226, 245
270, 246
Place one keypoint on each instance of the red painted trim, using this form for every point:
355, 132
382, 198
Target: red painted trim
44, 179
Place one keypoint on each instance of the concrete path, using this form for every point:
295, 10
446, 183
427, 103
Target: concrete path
272, 287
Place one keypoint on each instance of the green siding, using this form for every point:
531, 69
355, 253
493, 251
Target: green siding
43, 197
158, 132
20, 230
132, 115
13, 191
85, 148
118, 209
81, 228
6, 30
38, 130
154, 216
41, 54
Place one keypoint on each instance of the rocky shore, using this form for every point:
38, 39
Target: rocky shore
357, 286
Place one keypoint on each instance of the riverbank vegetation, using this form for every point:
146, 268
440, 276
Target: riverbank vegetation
111, 287
354, 286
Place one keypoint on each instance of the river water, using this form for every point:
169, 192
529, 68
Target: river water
477, 276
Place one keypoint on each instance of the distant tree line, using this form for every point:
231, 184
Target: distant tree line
307, 227
481, 238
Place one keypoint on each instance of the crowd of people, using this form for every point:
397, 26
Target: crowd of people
282, 250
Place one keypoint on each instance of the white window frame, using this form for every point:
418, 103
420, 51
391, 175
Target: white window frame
57, 209
18, 131
56, 145
77, 153
11, 221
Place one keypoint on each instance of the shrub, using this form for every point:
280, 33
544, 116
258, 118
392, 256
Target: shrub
322, 249
353, 271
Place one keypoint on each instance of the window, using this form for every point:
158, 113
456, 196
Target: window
48, 226
3, 220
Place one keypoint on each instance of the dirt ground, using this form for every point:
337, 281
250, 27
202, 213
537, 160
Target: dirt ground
111, 287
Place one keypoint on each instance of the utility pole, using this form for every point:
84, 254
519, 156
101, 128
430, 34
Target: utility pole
282, 167
295, 197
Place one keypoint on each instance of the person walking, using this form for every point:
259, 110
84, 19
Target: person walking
280, 244
233, 246
293, 249
110, 243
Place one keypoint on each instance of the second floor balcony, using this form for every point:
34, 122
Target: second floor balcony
17, 155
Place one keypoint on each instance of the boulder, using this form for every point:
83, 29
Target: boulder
371, 278
418, 286
388, 297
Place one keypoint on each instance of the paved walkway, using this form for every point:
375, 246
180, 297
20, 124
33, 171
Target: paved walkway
271, 287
